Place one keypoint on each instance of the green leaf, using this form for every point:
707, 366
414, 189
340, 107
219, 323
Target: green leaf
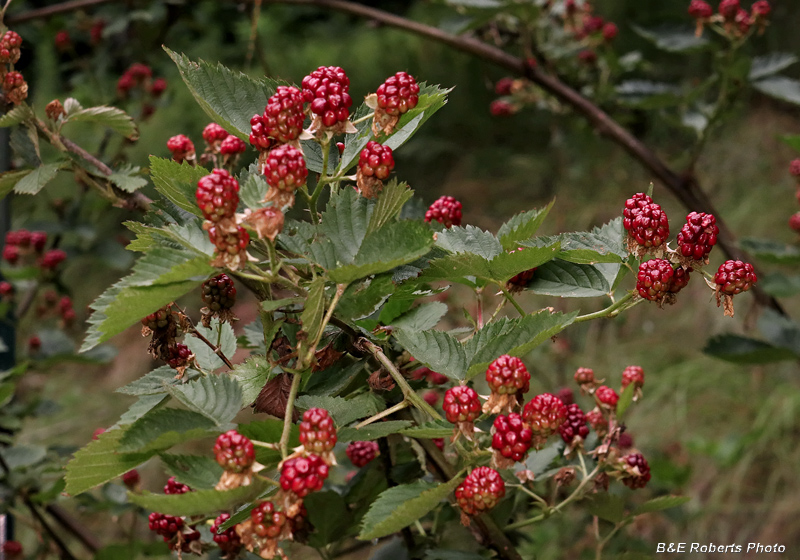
99, 462
217, 397
744, 350
780, 285
253, 188
142, 406
566, 279
780, 330
770, 64
393, 245
645, 94
230, 98
206, 357
625, 400
661, 503
441, 554
162, 428
35, 181
363, 298
673, 38
328, 514
23, 456
125, 178
16, 115
389, 204
507, 265
152, 383
313, 313
9, 180
199, 502
269, 431
603, 244
343, 411
197, 471
792, 140
771, 251
430, 430
522, 226
780, 87
455, 267
421, 318
344, 223
400, 506
437, 350
111, 117
372, 431
252, 375
469, 239
177, 182
606, 506
539, 461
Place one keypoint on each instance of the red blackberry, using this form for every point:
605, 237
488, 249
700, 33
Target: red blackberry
439, 443
34, 344
431, 397
52, 258
574, 426
219, 293
232, 145
362, 452
10, 47
15, 87
761, 9
317, 431
735, 277
501, 108
680, 279
522, 279
597, 421
165, 525
645, 222
544, 414
587, 56
284, 114
794, 167
12, 550
231, 246
158, 87
625, 441
303, 475
511, 437
259, 138
698, 236
63, 41
398, 94
729, 8
376, 160
217, 195
326, 90
566, 396
504, 86
20, 237
159, 320
610, 31
175, 487
267, 521
794, 222
637, 471
699, 9
181, 147
234, 452
11, 254
743, 21
6, 289
584, 376
179, 356
285, 168
340, 147
213, 134
633, 374
131, 478
446, 210
507, 375
461, 404
480, 491
654, 279
607, 397
228, 541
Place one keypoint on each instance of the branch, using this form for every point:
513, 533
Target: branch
54, 10
81, 532
683, 186
216, 349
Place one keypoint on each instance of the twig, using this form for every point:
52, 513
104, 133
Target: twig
65, 553
388, 412
287, 418
610, 311
68, 522
511, 299
214, 348
54, 10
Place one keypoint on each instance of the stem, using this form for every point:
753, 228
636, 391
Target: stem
610, 311
598, 553
323, 176
214, 348
364, 118
478, 295
388, 412
398, 378
340, 288
287, 417
65, 553
510, 298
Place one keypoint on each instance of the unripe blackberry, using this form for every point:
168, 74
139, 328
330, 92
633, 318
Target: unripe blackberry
6, 289
179, 356
63, 41
431, 397
698, 236
597, 421
158, 87
214, 134
637, 471
217, 195
15, 87
544, 414
10, 47
52, 258
181, 147
584, 376
175, 487
65, 303
131, 478
12, 550
504, 86
231, 246
303, 475
446, 210
362, 452
607, 397
794, 167
376, 160
481, 491
699, 9
566, 395
38, 240
165, 525
326, 90
158, 320
317, 431
11, 254
761, 9
625, 441
511, 437
340, 147
284, 114
743, 21
574, 426
259, 138
398, 94
232, 145
680, 279
228, 541
654, 279
267, 522
501, 108
794, 222
735, 277
125, 83
587, 56
20, 237
34, 344
645, 222
461, 404
234, 452
507, 375
729, 8
219, 293
439, 443
633, 374
610, 31
285, 168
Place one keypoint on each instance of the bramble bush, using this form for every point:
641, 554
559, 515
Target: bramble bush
378, 422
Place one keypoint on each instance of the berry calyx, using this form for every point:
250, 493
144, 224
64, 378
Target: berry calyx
317, 431
574, 426
461, 404
213, 134
636, 469
267, 521
698, 236
481, 491
182, 148
735, 277
646, 224
303, 475
398, 94
654, 279
446, 210
544, 414
507, 375
219, 293
361, 453
175, 487
217, 195
285, 168
284, 114
228, 540
511, 438
376, 160
607, 397
234, 452
232, 145
326, 90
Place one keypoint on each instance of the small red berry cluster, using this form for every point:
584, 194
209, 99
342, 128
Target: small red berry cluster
14, 87
178, 535
735, 21
218, 197
137, 82
26, 247
71, 41
222, 149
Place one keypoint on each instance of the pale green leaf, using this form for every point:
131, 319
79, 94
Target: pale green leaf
312, 315
162, 428
769, 64
780, 87
389, 204
152, 383
35, 181
217, 397
469, 239
661, 503
197, 471
673, 38
608, 507
115, 119
522, 226
16, 115
437, 350
430, 430
9, 179
421, 318
363, 298
177, 182
252, 375
220, 334
625, 400
566, 279
199, 502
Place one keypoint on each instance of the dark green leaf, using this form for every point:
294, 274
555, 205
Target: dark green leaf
744, 350
606, 506
389, 203
164, 427
770, 64
507, 265
373, 431
177, 182
126, 179
269, 431
780, 285
115, 119
430, 430
625, 400
779, 330
645, 94
344, 223
441, 554
9, 179
312, 315
661, 503
217, 397
252, 375
566, 279
23, 456
672, 38
539, 461
469, 239
16, 115
198, 471
771, 251
220, 334
792, 140
780, 87
421, 318
363, 298
437, 350
199, 502
343, 411
328, 514
145, 404
35, 181
153, 383
522, 226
